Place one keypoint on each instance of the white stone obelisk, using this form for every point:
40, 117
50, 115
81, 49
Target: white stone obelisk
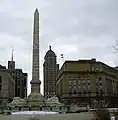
35, 98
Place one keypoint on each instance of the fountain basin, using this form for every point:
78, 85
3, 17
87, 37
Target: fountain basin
30, 113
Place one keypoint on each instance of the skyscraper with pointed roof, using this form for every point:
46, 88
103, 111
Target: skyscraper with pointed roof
50, 71
20, 78
11, 64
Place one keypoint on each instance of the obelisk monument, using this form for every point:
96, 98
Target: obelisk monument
35, 98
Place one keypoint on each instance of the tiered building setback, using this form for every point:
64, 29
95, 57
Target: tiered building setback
50, 71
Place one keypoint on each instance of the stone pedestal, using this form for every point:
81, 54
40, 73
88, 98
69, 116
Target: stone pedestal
35, 99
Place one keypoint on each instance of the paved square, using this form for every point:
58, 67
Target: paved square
74, 116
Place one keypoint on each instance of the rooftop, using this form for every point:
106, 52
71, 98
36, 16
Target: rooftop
50, 53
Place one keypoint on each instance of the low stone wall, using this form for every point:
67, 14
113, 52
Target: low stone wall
38, 108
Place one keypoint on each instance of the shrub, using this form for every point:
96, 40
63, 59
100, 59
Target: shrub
102, 114
116, 113
34, 118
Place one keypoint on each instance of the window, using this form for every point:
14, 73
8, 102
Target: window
89, 92
89, 87
74, 82
25, 82
84, 87
74, 78
100, 78
74, 92
70, 87
83, 80
88, 83
92, 69
24, 89
70, 93
70, 81
19, 82
0, 79
74, 87
18, 94
96, 90
0, 83
88, 80
79, 82
100, 81
100, 84
100, 87
79, 79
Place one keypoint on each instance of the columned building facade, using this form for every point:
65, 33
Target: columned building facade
83, 81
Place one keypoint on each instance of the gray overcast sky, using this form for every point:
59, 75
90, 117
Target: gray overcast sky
79, 29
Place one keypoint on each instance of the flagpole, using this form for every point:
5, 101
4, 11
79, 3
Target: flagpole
62, 59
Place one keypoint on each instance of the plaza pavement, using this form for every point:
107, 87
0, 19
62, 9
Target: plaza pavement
73, 116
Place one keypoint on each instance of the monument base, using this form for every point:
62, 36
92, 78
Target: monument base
35, 99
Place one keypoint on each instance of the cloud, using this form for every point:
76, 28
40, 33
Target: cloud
79, 29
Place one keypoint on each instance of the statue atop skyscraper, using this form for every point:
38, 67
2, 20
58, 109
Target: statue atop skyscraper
50, 71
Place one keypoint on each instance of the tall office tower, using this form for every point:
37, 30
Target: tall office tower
20, 79
11, 64
50, 70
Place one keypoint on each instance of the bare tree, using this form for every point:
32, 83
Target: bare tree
116, 47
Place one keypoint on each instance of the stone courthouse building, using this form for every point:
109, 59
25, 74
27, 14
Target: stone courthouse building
85, 80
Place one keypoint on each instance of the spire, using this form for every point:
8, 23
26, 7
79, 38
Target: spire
36, 11
50, 47
12, 54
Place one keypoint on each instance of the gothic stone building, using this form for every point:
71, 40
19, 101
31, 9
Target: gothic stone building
20, 79
50, 70
7, 86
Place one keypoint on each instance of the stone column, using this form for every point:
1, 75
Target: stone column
35, 82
